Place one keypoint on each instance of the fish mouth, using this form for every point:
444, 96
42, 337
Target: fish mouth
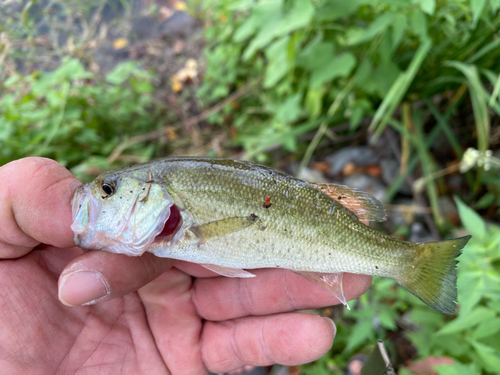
129, 231
171, 227
80, 211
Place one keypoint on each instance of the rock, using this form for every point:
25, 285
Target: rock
312, 175
390, 170
179, 23
359, 155
401, 213
144, 27
419, 233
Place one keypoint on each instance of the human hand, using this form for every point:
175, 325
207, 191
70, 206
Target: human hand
146, 314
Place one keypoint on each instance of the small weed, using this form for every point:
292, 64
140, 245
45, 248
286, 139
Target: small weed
73, 117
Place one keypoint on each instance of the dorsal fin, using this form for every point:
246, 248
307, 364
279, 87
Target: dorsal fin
362, 204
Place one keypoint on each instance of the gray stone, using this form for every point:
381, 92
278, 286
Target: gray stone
179, 23
359, 155
419, 233
397, 214
312, 175
390, 170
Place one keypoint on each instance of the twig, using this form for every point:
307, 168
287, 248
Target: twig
95, 20
189, 122
428, 217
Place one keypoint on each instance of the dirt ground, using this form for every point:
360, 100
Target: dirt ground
160, 35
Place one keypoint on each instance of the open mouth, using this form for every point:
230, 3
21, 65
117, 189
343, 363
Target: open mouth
172, 226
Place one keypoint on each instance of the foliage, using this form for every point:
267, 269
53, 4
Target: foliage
310, 53
73, 117
317, 64
470, 337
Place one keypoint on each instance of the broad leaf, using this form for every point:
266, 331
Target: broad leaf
471, 220
476, 316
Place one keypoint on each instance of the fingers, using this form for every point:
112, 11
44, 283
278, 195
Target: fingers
288, 339
99, 275
272, 291
174, 322
35, 196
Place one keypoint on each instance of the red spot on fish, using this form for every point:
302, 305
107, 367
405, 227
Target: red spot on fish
171, 224
267, 202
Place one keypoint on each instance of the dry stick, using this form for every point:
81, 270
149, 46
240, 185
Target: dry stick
95, 20
189, 122
428, 217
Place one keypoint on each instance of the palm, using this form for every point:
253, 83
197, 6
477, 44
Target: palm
36, 325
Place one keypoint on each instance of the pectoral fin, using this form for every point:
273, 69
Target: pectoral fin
362, 204
228, 272
331, 282
223, 227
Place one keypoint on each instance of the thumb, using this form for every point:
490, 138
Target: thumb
99, 276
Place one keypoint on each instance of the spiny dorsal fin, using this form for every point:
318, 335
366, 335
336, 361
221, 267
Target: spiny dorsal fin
362, 204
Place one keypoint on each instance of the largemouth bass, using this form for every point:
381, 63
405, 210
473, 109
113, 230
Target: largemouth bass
230, 216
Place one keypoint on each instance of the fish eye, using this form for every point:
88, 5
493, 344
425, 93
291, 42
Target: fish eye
108, 188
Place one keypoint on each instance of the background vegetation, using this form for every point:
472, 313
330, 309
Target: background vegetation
295, 80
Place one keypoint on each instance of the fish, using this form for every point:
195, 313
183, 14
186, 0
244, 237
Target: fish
233, 216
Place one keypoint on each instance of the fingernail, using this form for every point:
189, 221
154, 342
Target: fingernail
82, 288
333, 325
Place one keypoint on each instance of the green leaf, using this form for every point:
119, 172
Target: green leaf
486, 200
479, 102
279, 64
464, 322
290, 109
384, 77
487, 328
399, 25
263, 13
418, 24
477, 7
356, 36
457, 368
471, 288
358, 110
121, 72
341, 66
397, 91
487, 354
267, 16
495, 4
314, 102
333, 9
12, 80
298, 17
428, 6
388, 317
363, 331
316, 55
471, 220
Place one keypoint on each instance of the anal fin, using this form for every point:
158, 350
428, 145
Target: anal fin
362, 204
331, 282
227, 271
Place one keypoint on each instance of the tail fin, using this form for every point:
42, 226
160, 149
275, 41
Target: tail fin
433, 279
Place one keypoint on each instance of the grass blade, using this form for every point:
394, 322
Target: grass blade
397, 91
479, 102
